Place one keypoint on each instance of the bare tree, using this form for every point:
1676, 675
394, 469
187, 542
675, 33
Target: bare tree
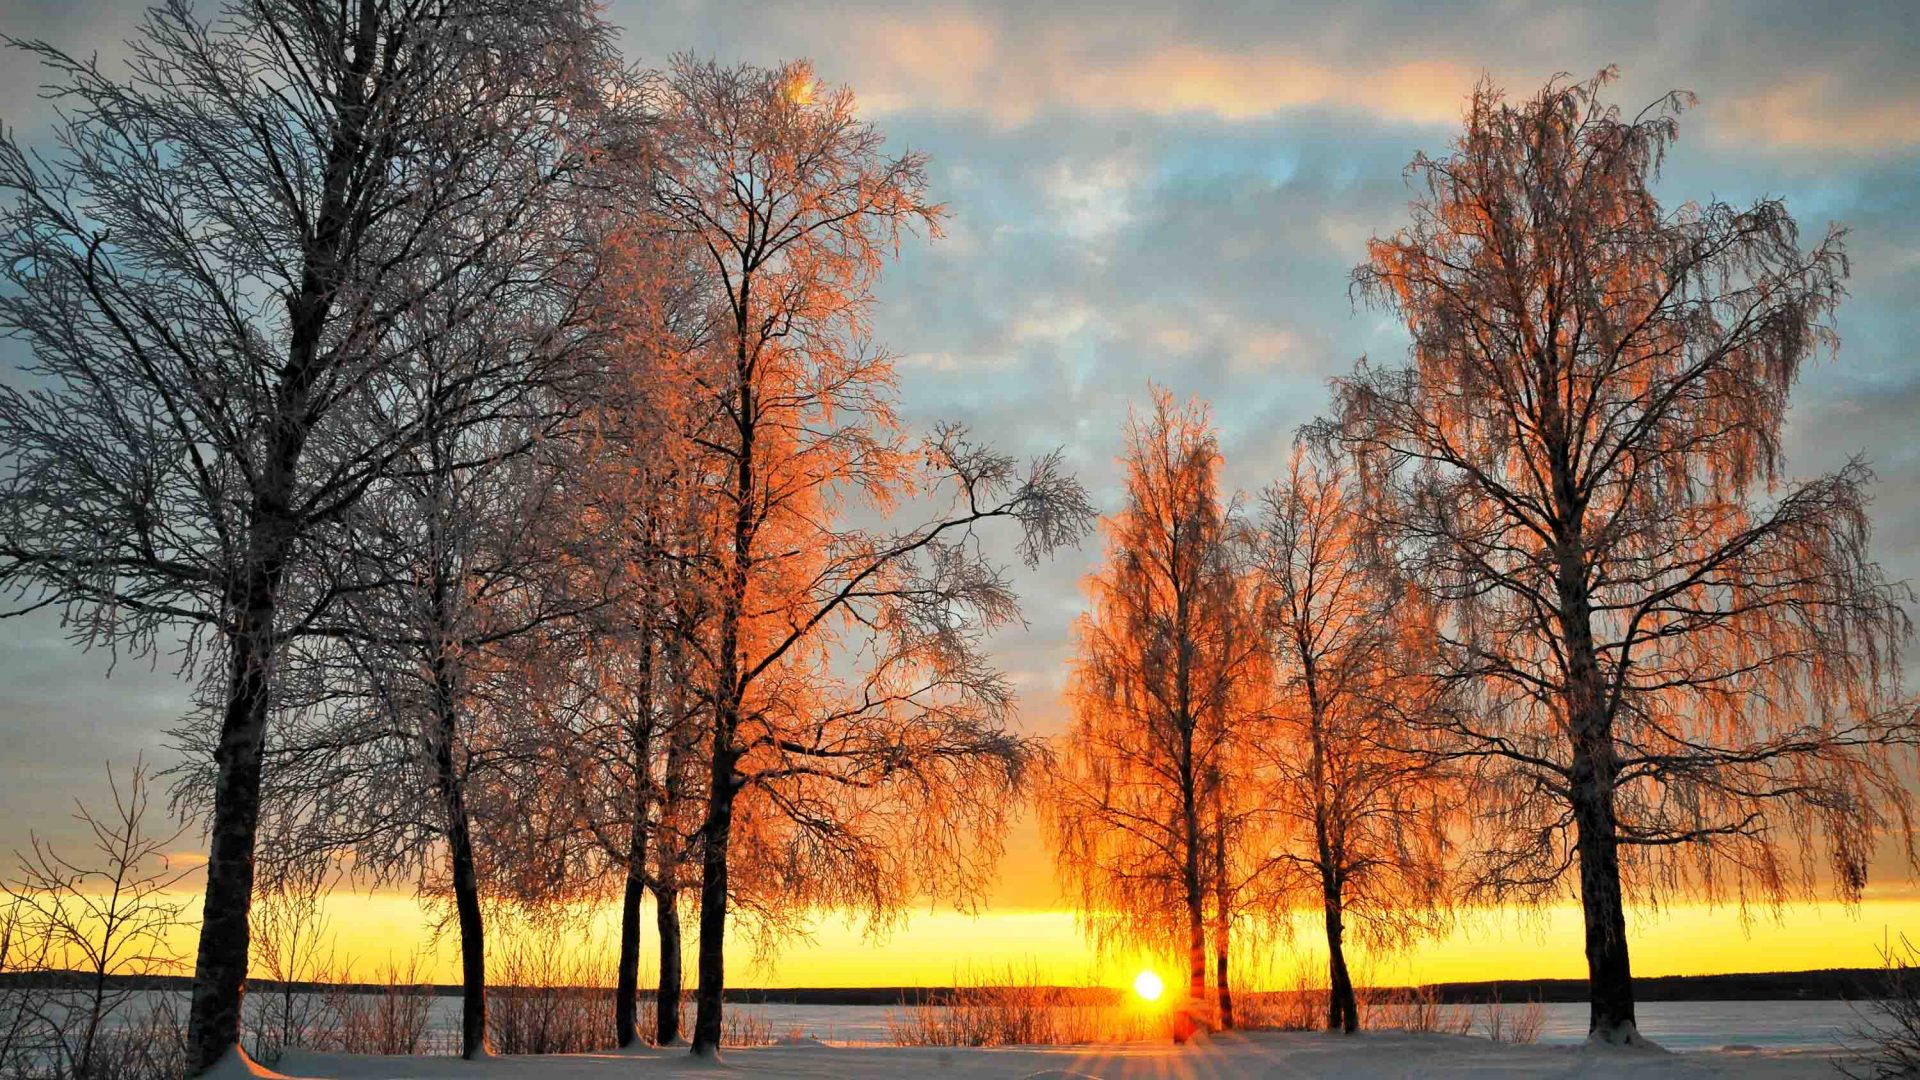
868, 786
101, 919
1682, 669
620, 706
22, 957
289, 928
209, 272
1361, 810
1137, 806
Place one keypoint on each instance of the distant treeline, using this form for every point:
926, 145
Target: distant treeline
1827, 984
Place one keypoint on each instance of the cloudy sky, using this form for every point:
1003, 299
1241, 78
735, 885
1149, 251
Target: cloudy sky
1176, 192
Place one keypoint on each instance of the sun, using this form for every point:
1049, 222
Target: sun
1148, 986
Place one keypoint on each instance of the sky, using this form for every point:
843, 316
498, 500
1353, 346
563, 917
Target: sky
1177, 193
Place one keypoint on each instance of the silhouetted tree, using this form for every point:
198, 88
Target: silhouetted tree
863, 787
209, 272
1682, 669
1362, 811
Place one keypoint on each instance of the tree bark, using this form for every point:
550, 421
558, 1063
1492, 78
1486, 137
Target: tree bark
716, 831
681, 754
1609, 971
1591, 775
666, 902
627, 992
715, 834
1222, 912
1220, 976
1343, 1009
220, 964
626, 995
466, 882
1196, 905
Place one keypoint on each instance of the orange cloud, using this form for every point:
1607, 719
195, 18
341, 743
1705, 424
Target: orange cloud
1256, 83
1809, 113
951, 61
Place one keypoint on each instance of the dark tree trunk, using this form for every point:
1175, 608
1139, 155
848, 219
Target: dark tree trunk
626, 1028
1591, 776
473, 940
451, 781
666, 902
220, 965
1196, 915
715, 835
1222, 907
1220, 978
1609, 972
1195, 890
626, 996
1343, 1008
681, 755
716, 830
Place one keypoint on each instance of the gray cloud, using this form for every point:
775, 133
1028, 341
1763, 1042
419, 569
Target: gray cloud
1177, 193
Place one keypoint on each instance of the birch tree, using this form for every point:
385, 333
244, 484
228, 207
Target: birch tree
1360, 809
1682, 665
208, 267
854, 724
1163, 659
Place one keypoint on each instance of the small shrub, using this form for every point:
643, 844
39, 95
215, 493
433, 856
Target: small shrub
392, 1019
1886, 1038
1520, 1025
1019, 1009
1300, 1007
1417, 1008
739, 1027
81, 925
543, 1004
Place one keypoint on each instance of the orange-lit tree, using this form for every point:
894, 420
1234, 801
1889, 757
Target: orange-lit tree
616, 690
856, 744
1357, 808
1150, 762
1683, 668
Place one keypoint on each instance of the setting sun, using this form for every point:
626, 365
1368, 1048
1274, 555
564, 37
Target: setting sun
814, 540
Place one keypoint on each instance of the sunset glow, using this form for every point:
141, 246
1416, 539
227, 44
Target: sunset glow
983, 529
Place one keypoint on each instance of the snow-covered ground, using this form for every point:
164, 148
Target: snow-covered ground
1676, 1025
1260, 1055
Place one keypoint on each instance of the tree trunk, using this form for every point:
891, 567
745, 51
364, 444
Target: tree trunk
1196, 918
715, 834
1222, 910
666, 902
220, 964
473, 942
1609, 972
466, 882
626, 996
716, 831
1343, 1009
627, 993
1590, 780
670, 853
1220, 976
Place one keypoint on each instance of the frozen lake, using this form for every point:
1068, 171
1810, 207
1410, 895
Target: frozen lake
1677, 1025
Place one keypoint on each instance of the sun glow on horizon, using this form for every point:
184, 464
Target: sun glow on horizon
1148, 986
